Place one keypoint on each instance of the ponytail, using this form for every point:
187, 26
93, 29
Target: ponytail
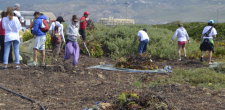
10, 13
74, 17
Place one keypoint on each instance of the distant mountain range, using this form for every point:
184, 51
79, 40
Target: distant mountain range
143, 11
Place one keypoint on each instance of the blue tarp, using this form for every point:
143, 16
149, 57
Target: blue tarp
112, 68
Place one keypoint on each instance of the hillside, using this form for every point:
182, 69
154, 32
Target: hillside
148, 11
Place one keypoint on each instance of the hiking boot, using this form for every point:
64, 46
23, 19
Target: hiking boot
201, 59
32, 64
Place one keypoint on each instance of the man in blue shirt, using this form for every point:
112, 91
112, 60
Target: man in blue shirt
40, 38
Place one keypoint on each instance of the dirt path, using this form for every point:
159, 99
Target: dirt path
61, 86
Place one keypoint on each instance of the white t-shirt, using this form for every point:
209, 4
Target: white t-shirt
143, 35
11, 28
213, 32
60, 29
17, 13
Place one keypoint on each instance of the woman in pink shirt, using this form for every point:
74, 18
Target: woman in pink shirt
2, 39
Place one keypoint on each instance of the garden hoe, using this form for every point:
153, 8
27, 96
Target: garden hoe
86, 47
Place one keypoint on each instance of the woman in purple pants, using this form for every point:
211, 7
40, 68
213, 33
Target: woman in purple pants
72, 47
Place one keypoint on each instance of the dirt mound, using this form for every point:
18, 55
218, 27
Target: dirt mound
132, 101
139, 62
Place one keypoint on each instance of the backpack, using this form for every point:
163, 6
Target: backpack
44, 26
55, 31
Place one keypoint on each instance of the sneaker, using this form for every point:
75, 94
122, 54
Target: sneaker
185, 57
32, 64
42, 64
179, 59
17, 67
201, 59
210, 63
4, 68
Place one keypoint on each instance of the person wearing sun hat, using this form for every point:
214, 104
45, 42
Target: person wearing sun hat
209, 33
83, 25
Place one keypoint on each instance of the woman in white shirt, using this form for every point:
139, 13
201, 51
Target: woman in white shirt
12, 25
182, 35
56, 31
207, 43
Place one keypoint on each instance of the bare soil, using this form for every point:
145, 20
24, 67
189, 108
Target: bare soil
62, 86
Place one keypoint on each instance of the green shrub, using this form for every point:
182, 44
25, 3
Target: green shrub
195, 77
93, 45
195, 29
122, 40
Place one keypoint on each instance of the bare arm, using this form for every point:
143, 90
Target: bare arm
214, 37
139, 38
202, 38
82, 20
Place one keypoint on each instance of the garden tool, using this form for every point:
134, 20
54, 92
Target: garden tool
86, 47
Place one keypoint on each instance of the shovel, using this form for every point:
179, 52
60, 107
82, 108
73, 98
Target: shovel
86, 47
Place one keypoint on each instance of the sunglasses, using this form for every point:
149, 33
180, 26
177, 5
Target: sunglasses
75, 21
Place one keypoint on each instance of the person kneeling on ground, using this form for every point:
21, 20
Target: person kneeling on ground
72, 47
182, 35
144, 40
207, 43
12, 26
56, 31
40, 39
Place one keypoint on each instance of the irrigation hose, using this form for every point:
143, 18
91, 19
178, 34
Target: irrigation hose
23, 97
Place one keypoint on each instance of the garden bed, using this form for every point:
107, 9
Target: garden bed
62, 86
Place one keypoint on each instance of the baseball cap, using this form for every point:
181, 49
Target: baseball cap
86, 13
211, 21
16, 5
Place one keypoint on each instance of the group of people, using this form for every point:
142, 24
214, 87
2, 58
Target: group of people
209, 33
9, 35
74, 31
11, 24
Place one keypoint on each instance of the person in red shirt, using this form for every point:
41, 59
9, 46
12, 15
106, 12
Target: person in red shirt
2, 39
83, 25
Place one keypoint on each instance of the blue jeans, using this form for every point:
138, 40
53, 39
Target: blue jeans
16, 46
143, 46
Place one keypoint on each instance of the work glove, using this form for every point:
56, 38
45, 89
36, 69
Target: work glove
87, 19
189, 41
171, 41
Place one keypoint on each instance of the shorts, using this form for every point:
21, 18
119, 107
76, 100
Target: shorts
182, 43
39, 43
83, 34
